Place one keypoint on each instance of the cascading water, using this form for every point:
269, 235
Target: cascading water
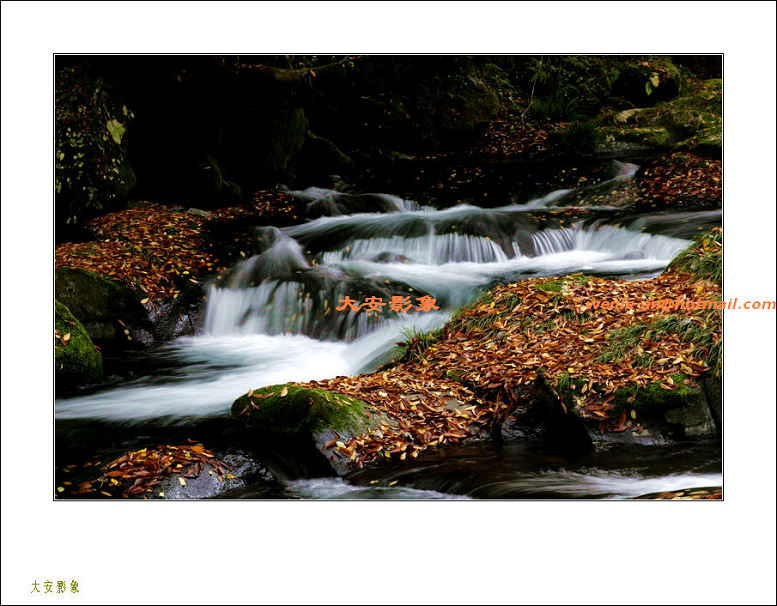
273, 318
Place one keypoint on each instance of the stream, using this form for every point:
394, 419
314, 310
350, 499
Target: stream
272, 319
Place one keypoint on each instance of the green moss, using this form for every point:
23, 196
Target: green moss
580, 278
568, 387
98, 303
651, 136
551, 286
77, 362
651, 400
302, 410
459, 377
654, 399
689, 122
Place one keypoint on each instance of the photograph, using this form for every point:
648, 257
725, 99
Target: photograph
389, 277
388, 302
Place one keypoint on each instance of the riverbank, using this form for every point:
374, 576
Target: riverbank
617, 370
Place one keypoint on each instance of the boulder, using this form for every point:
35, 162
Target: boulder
76, 360
105, 308
306, 423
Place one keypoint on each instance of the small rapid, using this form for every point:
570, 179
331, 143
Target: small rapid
273, 317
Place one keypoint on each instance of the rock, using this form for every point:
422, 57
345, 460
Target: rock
199, 212
694, 419
682, 413
548, 418
303, 421
390, 257
76, 362
712, 387
689, 122
207, 484
263, 145
620, 140
210, 189
105, 308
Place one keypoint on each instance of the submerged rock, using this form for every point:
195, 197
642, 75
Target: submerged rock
77, 361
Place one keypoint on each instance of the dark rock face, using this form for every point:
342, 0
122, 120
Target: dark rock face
105, 308
175, 318
76, 360
701, 415
549, 419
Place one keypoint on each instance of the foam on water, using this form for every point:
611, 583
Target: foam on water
271, 319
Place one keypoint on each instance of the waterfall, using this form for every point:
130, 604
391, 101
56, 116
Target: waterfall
295, 285
273, 317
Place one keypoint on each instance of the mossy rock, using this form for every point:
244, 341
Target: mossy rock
76, 362
689, 411
689, 122
100, 305
300, 418
650, 137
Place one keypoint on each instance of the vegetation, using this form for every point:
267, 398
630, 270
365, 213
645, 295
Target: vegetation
92, 168
291, 409
703, 259
76, 360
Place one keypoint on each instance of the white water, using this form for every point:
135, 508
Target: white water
598, 483
272, 320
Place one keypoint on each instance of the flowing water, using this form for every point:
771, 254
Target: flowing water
272, 319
